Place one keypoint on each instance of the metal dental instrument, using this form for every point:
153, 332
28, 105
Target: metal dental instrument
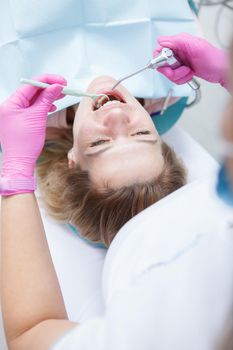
165, 58
65, 91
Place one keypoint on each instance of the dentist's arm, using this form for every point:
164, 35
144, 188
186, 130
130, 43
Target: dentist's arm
199, 58
33, 309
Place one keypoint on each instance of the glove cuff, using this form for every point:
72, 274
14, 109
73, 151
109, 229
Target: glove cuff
12, 186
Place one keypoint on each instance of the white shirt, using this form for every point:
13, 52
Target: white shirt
168, 283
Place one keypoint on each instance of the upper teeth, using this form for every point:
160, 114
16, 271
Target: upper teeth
109, 102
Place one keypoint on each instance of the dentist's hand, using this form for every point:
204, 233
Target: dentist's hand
23, 126
199, 58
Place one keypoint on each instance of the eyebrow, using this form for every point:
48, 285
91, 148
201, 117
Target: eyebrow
153, 142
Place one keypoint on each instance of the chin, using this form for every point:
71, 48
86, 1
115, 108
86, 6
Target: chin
102, 81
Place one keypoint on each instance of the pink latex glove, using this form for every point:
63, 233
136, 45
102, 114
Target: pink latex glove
199, 58
23, 126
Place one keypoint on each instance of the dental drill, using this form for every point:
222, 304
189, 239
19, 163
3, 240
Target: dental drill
165, 58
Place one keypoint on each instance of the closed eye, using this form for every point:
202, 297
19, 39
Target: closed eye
101, 142
142, 132
97, 143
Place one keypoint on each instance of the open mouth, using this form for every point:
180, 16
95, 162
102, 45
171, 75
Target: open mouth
112, 97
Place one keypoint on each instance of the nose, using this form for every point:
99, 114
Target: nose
117, 120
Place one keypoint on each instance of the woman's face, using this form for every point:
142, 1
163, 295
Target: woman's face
117, 144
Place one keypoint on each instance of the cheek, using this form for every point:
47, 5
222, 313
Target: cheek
142, 115
84, 134
81, 121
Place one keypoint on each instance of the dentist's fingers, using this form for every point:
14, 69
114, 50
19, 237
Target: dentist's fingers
205, 60
175, 41
185, 79
26, 93
184, 45
177, 75
180, 75
48, 96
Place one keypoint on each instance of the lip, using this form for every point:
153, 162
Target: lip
114, 93
111, 106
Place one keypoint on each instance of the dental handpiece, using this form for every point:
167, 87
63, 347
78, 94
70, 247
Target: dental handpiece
165, 58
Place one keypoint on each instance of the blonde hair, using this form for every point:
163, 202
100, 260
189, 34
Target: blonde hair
70, 196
